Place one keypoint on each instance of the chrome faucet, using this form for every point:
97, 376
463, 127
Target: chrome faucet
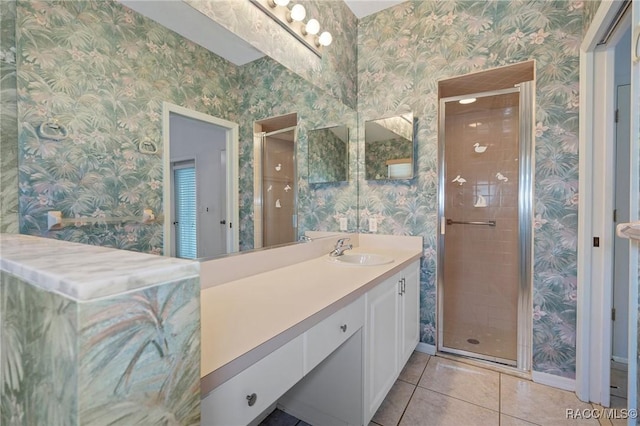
341, 247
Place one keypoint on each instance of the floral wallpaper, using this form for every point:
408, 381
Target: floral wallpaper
141, 350
402, 53
38, 375
8, 120
328, 159
335, 72
98, 362
273, 90
103, 71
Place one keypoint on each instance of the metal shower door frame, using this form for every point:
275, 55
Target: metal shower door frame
525, 220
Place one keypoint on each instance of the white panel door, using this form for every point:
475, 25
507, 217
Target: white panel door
382, 342
410, 313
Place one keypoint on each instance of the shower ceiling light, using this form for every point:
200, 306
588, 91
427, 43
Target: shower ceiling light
467, 101
292, 20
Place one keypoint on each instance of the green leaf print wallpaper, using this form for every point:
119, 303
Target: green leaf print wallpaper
56, 372
402, 54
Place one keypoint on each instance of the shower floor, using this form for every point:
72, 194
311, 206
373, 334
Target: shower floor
492, 342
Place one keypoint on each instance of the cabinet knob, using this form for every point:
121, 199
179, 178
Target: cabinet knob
343, 328
251, 399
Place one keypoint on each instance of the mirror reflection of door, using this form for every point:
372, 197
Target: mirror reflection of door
202, 190
275, 181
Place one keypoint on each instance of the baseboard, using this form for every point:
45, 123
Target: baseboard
620, 359
426, 348
559, 382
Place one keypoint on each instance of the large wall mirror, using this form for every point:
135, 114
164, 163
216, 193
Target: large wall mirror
329, 155
257, 93
149, 56
389, 147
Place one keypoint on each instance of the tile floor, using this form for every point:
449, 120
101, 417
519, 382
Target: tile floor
441, 392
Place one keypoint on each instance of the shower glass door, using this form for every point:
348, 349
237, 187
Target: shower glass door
278, 187
481, 283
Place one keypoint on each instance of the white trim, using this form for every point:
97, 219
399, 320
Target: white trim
632, 370
426, 348
559, 382
603, 179
232, 143
585, 160
595, 212
593, 35
620, 359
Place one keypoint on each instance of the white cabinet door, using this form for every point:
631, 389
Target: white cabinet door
242, 398
409, 312
381, 352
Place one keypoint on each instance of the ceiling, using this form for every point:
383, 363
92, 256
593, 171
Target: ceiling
362, 8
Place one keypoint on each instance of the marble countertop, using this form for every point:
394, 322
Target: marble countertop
246, 319
84, 272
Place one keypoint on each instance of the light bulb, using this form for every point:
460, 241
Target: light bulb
281, 2
325, 39
297, 12
312, 27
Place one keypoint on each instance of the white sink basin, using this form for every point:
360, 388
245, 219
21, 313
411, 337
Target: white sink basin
362, 259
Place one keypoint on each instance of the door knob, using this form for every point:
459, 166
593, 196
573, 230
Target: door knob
223, 222
251, 399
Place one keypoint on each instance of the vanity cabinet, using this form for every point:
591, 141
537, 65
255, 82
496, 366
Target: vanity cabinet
323, 338
410, 313
338, 371
245, 396
391, 333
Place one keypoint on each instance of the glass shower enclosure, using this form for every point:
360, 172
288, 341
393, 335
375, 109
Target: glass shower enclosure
485, 225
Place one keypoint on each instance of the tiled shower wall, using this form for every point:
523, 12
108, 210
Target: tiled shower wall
481, 262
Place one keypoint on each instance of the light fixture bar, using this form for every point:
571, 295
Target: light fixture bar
296, 28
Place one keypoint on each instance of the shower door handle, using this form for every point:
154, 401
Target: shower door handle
462, 222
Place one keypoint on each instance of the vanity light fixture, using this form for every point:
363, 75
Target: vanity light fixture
467, 101
325, 39
312, 27
291, 17
297, 13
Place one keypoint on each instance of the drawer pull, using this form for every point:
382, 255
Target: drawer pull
343, 328
251, 399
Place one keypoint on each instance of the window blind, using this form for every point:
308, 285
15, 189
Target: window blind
185, 211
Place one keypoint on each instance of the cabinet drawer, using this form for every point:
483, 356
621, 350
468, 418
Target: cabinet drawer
327, 335
268, 379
